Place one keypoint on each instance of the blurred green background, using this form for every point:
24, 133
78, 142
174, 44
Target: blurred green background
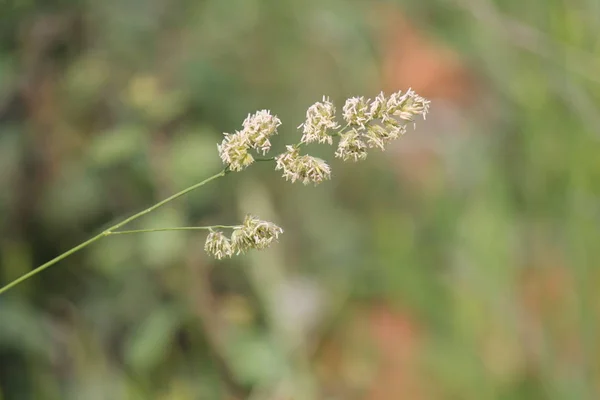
459, 264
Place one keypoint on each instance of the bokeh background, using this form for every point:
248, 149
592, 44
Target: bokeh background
461, 263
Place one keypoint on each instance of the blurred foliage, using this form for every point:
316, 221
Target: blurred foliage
459, 265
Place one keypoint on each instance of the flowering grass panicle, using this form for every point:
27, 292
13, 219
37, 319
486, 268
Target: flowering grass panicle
320, 118
369, 124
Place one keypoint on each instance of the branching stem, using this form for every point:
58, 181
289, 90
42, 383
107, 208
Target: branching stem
113, 231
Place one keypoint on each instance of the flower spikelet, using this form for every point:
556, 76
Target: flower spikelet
378, 135
234, 151
217, 245
305, 168
313, 170
351, 147
259, 127
375, 123
320, 117
356, 111
407, 106
254, 233
378, 109
287, 162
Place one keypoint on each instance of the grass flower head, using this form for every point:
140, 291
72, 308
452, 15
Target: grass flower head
357, 111
217, 245
254, 233
351, 147
320, 118
407, 106
234, 151
258, 128
304, 168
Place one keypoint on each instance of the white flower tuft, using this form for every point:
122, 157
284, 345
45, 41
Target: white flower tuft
218, 246
351, 147
305, 168
320, 117
356, 111
378, 107
254, 234
259, 127
372, 124
377, 135
234, 151
407, 106
375, 123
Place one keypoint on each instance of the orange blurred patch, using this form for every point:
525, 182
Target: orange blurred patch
548, 295
396, 340
374, 353
411, 58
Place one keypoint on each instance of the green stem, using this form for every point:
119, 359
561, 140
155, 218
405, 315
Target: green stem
165, 201
341, 131
179, 228
108, 232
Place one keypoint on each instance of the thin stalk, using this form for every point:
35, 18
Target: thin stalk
108, 232
179, 228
